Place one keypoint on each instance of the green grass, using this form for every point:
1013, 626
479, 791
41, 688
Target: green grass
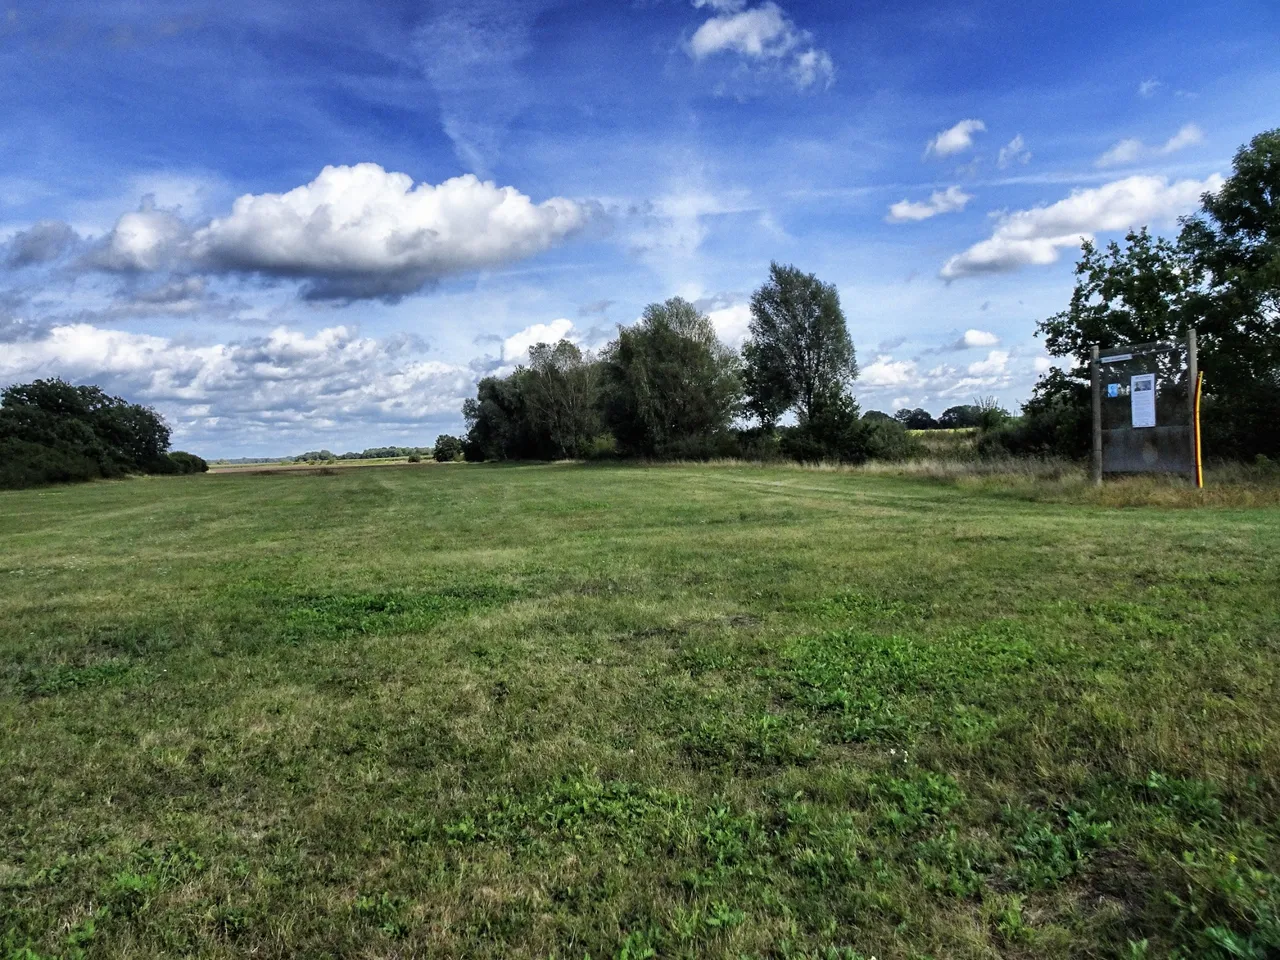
560, 711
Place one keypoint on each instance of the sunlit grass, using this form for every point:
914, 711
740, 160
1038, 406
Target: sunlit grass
563, 710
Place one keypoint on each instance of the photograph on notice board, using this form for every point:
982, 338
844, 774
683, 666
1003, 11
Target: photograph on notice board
1142, 398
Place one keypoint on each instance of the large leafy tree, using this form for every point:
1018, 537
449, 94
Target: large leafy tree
1136, 293
497, 421
799, 354
1233, 244
670, 386
960, 416
1221, 276
544, 410
561, 388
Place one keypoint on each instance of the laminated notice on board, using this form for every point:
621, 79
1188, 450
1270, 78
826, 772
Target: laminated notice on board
1142, 398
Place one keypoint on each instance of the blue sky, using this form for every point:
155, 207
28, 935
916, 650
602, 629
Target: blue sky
295, 225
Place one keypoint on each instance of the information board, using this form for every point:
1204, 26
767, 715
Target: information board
1142, 399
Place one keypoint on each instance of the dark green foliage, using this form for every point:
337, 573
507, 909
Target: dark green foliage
27, 464
447, 448
547, 410
1055, 422
188, 462
560, 390
1233, 245
837, 434
671, 388
882, 438
497, 421
917, 419
52, 431
832, 431
959, 417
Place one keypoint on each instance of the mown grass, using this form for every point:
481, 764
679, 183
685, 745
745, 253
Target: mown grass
626, 712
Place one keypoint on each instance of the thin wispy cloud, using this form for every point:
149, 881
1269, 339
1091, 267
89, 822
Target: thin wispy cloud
1132, 150
1013, 152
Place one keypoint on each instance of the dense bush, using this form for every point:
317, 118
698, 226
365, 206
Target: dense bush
884, 439
54, 432
188, 462
27, 464
1057, 421
447, 448
836, 434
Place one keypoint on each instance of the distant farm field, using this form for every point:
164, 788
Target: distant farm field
560, 711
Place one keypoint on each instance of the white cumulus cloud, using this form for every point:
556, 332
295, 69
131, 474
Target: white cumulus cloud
515, 348
285, 388
886, 372
1188, 136
362, 231
955, 139
994, 364
979, 338
1037, 236
145, 239
1125, 152
732, 323
940, 201
762, 34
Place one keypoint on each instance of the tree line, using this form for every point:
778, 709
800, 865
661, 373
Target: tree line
666, 387
369, 453
983, 413
52, 431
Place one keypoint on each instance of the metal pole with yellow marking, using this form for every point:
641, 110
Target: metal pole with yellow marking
1193, 405
1195, 427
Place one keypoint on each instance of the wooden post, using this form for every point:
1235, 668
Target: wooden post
1095, 375
1193, 374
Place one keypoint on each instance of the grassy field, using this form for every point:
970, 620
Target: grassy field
565, 711
277, 466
